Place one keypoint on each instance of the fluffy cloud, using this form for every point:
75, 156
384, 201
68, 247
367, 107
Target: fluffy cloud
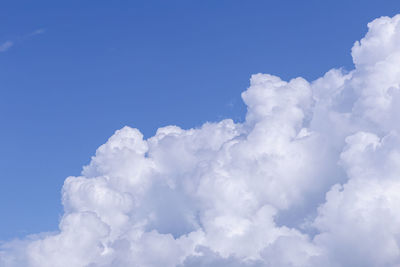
310, 178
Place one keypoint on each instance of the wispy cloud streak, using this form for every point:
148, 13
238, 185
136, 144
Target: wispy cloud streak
5, 46
8, 44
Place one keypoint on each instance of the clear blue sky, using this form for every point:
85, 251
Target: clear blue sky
79, 70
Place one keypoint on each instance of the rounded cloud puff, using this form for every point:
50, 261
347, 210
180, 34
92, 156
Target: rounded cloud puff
310, 178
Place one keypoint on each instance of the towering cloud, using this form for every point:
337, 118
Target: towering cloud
310, 178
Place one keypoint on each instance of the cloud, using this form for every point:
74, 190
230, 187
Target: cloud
36, 32
8, 44
5, 46
310, 178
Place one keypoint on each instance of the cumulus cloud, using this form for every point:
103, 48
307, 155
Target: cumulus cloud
310, 178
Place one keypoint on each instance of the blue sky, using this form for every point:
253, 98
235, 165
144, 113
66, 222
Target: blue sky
77, 71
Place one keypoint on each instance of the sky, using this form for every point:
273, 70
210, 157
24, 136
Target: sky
74, 72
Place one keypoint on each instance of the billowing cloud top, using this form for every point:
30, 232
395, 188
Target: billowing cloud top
310, 178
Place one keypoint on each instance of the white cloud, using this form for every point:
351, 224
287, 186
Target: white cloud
5, 46
8, 44
36, 32
309, 179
